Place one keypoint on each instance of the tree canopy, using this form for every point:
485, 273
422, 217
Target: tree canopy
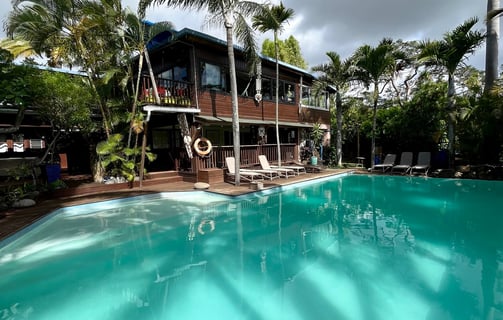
289, 51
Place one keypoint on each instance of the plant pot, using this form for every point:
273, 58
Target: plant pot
53, 172
314, 161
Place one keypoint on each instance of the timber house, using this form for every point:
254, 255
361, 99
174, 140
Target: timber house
192, 81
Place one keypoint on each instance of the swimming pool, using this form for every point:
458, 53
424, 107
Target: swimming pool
349, 247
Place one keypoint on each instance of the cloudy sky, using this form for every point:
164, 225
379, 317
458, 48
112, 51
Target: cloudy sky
343, 25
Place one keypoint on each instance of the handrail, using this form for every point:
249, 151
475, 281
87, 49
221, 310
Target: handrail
171, 92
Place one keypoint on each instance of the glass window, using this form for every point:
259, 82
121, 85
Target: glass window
317, 99
212, 77
267, 89
178, 73
246, 85
289, 92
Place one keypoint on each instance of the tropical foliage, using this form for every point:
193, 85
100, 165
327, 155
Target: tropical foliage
449, 53
374, 66
97, 37
118, 160
335, 74
289, 51
390, 97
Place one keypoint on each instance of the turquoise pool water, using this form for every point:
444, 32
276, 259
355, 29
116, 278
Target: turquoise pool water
349, 247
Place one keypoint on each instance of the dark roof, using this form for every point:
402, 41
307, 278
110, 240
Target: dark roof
186, 33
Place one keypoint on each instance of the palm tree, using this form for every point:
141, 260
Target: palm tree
449, 53
71, 33
232, 14
335, 74
273, 18
493, 30
373, 65
137, 34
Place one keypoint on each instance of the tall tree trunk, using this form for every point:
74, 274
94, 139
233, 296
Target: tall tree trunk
338, 116
135, 101
277, 96
234, 95
451, 119
374, 124
493, 29
152, 77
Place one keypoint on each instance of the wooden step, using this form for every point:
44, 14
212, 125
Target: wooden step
161, 174
95, 187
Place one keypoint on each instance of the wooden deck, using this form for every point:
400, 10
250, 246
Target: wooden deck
17, 219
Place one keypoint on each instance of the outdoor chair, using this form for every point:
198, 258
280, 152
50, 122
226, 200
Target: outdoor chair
405, 163
387, 164
37, 144
282, 171
298, 169
423, 164
247, 175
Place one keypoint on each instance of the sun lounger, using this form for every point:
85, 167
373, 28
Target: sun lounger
268, 174
405, 163
423, 164
298, 169
387, 164
247, 175
282, 171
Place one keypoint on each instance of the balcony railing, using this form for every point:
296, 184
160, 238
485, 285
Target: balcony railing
171, 92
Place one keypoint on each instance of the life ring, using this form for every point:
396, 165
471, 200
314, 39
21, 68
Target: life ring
203, 223
202, 146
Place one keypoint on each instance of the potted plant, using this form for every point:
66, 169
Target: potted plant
316, 136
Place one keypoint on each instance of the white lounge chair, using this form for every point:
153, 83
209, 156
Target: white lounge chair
4, 147
282, 171
246, 175
18, 147
387, 164
267, 173
298, 169
405, 163
423, 163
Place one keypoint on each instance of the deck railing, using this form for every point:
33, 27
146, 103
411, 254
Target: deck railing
249, 156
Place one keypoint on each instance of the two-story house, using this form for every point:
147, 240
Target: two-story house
192, 80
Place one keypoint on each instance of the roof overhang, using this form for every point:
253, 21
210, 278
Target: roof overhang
220, 120
150, 108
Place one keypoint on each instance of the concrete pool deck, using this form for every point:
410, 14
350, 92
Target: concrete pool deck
17, 219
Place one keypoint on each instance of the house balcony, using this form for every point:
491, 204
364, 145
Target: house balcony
172, 93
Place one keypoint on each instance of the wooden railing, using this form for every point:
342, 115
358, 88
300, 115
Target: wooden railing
249, 156
171, 92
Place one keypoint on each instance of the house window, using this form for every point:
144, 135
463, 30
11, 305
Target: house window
176, 73
288, 94
267, 89
212, 77
286, 90
246, 85
314, 98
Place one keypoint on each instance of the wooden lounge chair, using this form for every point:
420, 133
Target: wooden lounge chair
282, 171
423, 164
405, 163
387, 164
247, 175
